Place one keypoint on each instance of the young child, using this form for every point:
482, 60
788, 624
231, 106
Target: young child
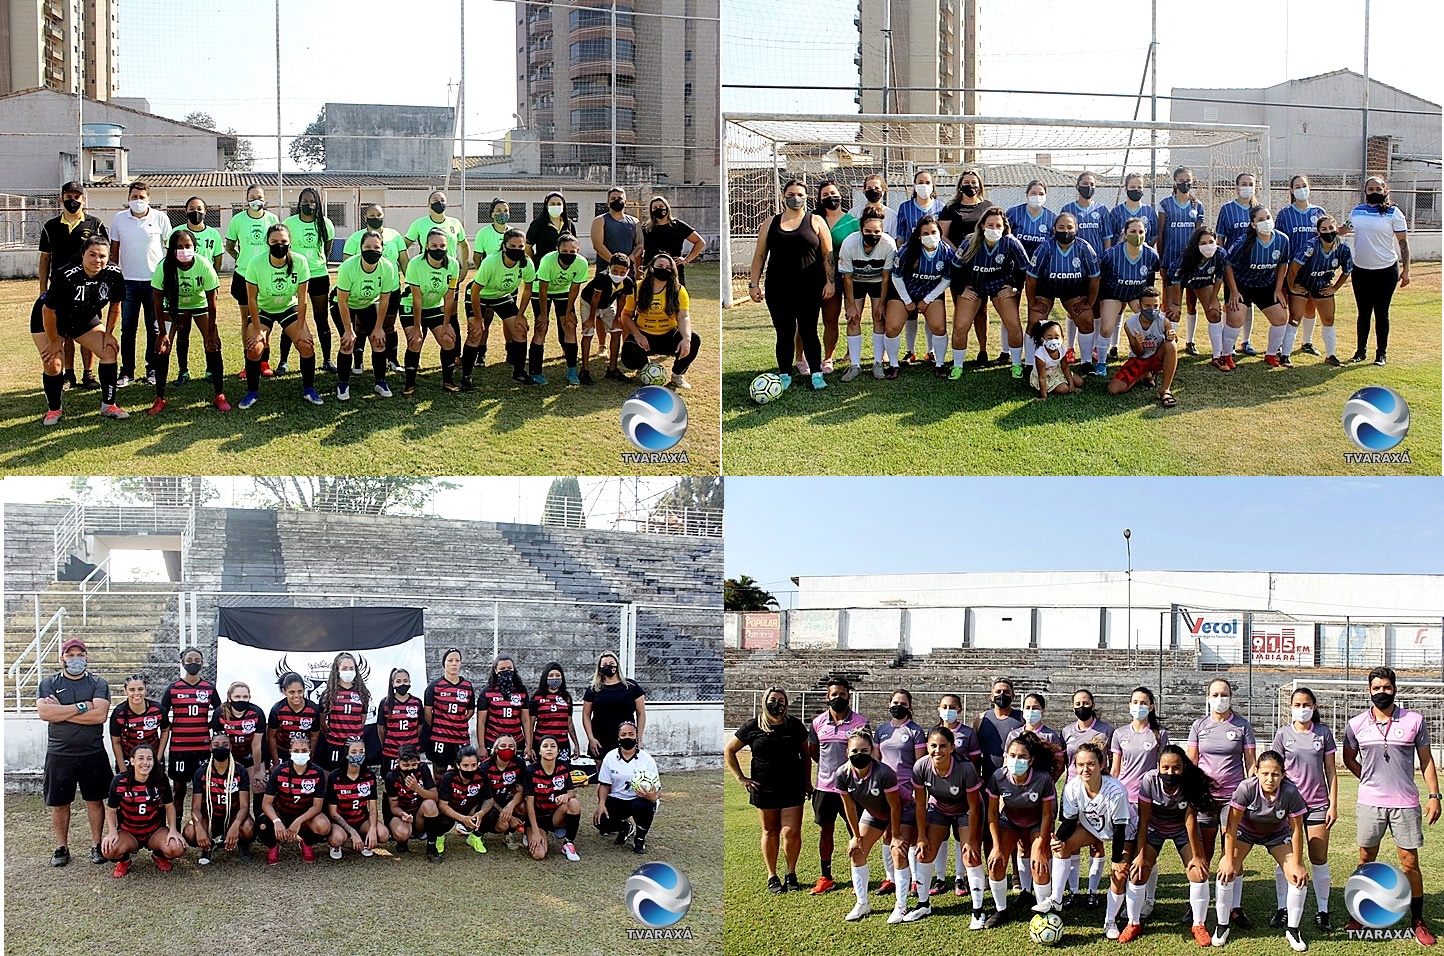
1152, 340
1050, 373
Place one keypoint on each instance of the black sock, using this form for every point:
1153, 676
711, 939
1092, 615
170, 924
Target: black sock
183, 350
285, 348
569, 349
516, 357
266, 354
413, 362
253, 375
162, 369
1416, 907
448, 364
393, 338
343, 368
323, 335
571, 821
54, 389
827, 868
468, 360
534, 356
641, 834
378, 366
308, 371
108, 375
215, 368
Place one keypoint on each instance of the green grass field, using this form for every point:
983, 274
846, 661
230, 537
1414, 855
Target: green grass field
501, 428
1252, 421
503, 902
760, 924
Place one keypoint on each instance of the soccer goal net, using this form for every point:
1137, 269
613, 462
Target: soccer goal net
762, 151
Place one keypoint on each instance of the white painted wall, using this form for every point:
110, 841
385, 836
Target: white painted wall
935, 628
1067, 627
874, 629
1002, 626
813, 629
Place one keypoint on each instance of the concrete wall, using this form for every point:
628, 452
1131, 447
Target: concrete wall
418, 138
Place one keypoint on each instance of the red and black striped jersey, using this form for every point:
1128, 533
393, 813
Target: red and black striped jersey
464, 792
140, 807
286, 722
552, 714
222, 799
133, 728
505, 782
240, 728
547, 788
294, 791
190, 707
351, 796
403, 797
451, 708
503, 715
402, 721
345, 716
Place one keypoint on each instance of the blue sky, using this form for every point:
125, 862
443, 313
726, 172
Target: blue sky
781, 527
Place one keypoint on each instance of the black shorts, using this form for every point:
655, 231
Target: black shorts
1263, 298
865, 290
37, 317
441, 756
778, 799
319, 285
283, 319
503, 308
557, 307
330, 756
363, 321
239, 292
1305, 294
181, 765
90, 772
430, 318
827, 807
174, 318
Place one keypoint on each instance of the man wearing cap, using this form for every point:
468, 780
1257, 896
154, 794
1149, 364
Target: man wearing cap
76, 704
61, 240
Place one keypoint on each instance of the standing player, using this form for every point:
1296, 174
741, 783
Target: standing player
1153, 349
211, 247
991, 266
505, 282
665, 234
398, 718
1031, 220
959, 221
354, 804
220, 812
245, 236
921, 273
1308, 751
1022, 804
245, 725
501, 708
290, 717
1298, 221
900, 742
1203, 273
432, 280
947, 794
1034, 709
1133, 207
277, 281
1233, 219
864, 257
1095, 227
465, 802
560, 276
1125, 270
965, 742
457, 250
1170, 798
1178, 216
137, 720
61, 240
551, 802
1379, 748
189, 703
544, 231
598, 305
1064, 269
840, 225
140, 814
992, 726
293, 809
1222, 744
1086, 728
1258, 263
1312, 283
869, 791
411, 793
449, 703
478, 318
827, 747
366, 286
311, 234
777, 781
551, 714
73, 308
184, 286
343, 706
1134, 751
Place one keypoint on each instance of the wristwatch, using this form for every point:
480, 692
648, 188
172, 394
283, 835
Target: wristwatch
1436, 796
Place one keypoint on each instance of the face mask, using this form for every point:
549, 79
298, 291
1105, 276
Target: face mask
257, 204
859, 760
402, 689
300, 760
72, 205
1003, 701
1032, 717
1134, 239
992, 235
1374, 199
1382, 700
869, 239
838, 704
196, 217
347, 674
923, 190
220, 754
899, 711
1083, 713
280, 250
627, 743
503, 678
184, 255
947, 715
1064, 237
1264, 227
1220, 705
501, 218
139, 206
794, 202
307, 209
556, 211
776, 708
438, 207
374, 222
75, 666
439, 255
1170, 781
1183, 188
1207, 249
659, 214
617, 205
609, 670
1017, 766
192, 668
616, 279
1301, 194
968, 189
355, 760
663, 274
1303, 715
930, 242
566, 258
513, 255
1085, 192
1134, 195
554, 683
1051, 345
832, 202
872, 195
1036, 202
371, 256
1138, 711
505, 754
1328, 236
1245, 192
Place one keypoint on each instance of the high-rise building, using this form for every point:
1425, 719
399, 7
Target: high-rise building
62, 45
657, 63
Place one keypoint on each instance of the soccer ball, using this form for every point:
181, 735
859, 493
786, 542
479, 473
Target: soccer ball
1046, 929
653, 374
765, 388
646, 780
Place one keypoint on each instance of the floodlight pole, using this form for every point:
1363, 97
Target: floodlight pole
280, 186
886, 83
1364, 166
461, 115
1153, 115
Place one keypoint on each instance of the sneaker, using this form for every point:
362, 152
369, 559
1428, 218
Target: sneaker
343, 393
250, 399
205, 858
886, 887
853, 371
164, 865
440, 844
574, 377
774, 885
90, 382
1017, 370
367, 851
1130, 932
1190, 349
52, 417
997, 919
61, 856
113, 411
309, 394
858, 911
1284, 362
273, 856
1220, 936
584, 377
1272, 361
1296, 940
1111, 931
610, 373
450, 386
1308, 349
392, 367
891, 373
221, 404
923, 911
1357, 358
403, 846
509, 840
1321, 921
877, 371
150, 377
826, 366
1333, 360
639, 846
790, 883
977, 921
1101, 369
382, 389
1220, 362
1280, 919
898, 914
243, 854
1380, 360
327, 366
824, 884
266, 371
1237, 917
1232, 365
281, 369
474, 841
123, 381
818, 382
521, 378
570, 849
1113, 353
1249, 350
680, 382
1048, 905
935, 889
1200, 935
1072, 900
122, 867
308, 854
803, 368
786, 381
1070, 357
158, 407
1422, 936
67, 380
335, 853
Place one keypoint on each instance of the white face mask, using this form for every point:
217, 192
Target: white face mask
1036, 202
1245, 192
1220, 705
1138, 711
555, 211
257, 204
1207, 249
1264, 227
185, 255
139, 206
1301, 194
930, 242
616, 279
947, 715
924, 190
300, 760
1033, 717
992, 235
1017, 766
1053, 345
1303, 714
347, 675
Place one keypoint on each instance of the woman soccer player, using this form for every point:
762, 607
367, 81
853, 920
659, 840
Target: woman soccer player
1034, 709
457, 250
293, 810
353, 804
947, 793
920, 277
1050, 375
211, 247
657, 321
1178, 216
1266, 810
246, 236
1170, 798
1032, 221
1133, 207
137, 720
343, 706
82, 305
1202, 271
965, 743
861, 261
904, 224
1222, 744
1022, 802
432, 279
869, 790
311, 235
551, 802
398, 718
622, 804
1381, 262
465, 802
1152, 350
1134, 750
449, 702
189, 703
664, 234
1086, 728
412, 801
611, 700
277, 280
1095, 227
899, 742
478, 317
366, 285
293, 715
245, 724
506, 776
184, 288
1308, 750
1233, 219
1257, 264
1066, 270
1298, 221
841, 225
220, 813
992, 266
551, 714
140, 814
393, 251
796, 250
1321, 267
778, 783
559, 278
1125, 270
506, 280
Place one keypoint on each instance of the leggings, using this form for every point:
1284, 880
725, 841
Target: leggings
1373, 291
619, 811
795, 303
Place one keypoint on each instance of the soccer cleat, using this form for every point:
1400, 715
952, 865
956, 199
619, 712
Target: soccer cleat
1380, 360
281, 369
1049, 905
90, 382
1101, 369
1111, 930
939, 372
162, 864
68, 379
1237, 917
921, 911
877, 371
113, 411
95, 856
182, 378
391, 366
343, 393
573, 377
818, 382
959, 889
1220, 362
935, 889
158, 407
328, 366
891, 373
309, 394
1017, 370
123, 381
441, 844
1130, 932
335, 853
307, 854
221, 404
408, 389
432, 854
1189, 349
679, 381
1284, 362
1308, 349
1271, 360
1333, 360
450, 386
1280, 919
790, 883
861, 909
466, 384
205, 858
1072, 900
273, 856
1200, 935
149, 377
898, 914
367, 851
1321, 921
584, 377
1113, 353
997, 919
786, 381
1422, 936
1296, 940
1249, 350
538, 380
824, 884
122, 867
60, 857
250, 399
52, 417
1357, 358
1220, 936
1070, 357
977, 921
382, 389
853, 371
243, 854
266, 371
474, 841
886, 887
569, 848
639, 845
1232, 365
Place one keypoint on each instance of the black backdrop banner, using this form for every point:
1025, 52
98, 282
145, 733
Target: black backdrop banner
320, 629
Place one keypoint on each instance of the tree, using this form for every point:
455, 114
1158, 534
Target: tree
164, 491
244, 158
744, 594
703, 492
309, 149
565, 507
351, 494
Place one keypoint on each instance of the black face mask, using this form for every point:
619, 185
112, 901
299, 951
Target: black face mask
307, 209
868, 240
608, 670
1085, 191
280, 249
838, 704
1170, 781
1083, 713
371, 256
1382, 700
438, 207
1064, 237
1374, 199
220, 754
72, 205
659, 214
1134, 195
664, 274
402, 689
374, 222
1328, 236
192, 668
196, 217
859, 760
566, 258
899, 711
627, 743
872, 195
968, 189
503, 679
436, 255
832, 202
1182, 187
513, 255
617, 205
1003, 701
776, 708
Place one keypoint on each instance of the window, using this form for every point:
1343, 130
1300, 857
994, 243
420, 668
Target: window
589, 51
582, 19
689, 120
539, 209
689, 56
597, 117
687, 90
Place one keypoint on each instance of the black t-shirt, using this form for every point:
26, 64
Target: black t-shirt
63, 241
777, 755
67, 738
75, 295
958, 221
542, 236
611, 705
668, 238
611, 291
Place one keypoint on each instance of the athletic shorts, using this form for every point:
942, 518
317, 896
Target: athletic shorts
1206, 819
1263, 298
502, 308
779, 799
144, 838
864, 290
1135, 368
181, 765
330, 756
1316, 816
90, 772
607, 316
868, 820
937, 818
1156, 839
319, 285
282, 319
239, 292
827, 807
171, 318
1406, 824
441, 756
430, 318
72, 327
363, 321
1008, 824
558, 306
1055, 376
1123, 294
1277, 838
37, 317
1305, 294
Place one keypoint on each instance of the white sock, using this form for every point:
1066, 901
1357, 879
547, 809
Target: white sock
887, 862
1087, 342
1223, 900
1113, 339
1281, 886
1072, 333
1061, 870
1016, 354
903, 884
1215, 337
859, 882
1135, 896
913, 858
890, 346
1290, 333
1276, 339
1198, 900
912, 333
923, 873
854, 349
878, 355
1028, 349
1238, 891
1295, 906
1331, 339
1248, 324
1073, 865
1025, 873
1192, 324
958, 870
959, 357
1000, 892
977, 879
1230, 338
1148, 897
1115, 903
938, 345
1308, 332
1095, 873
1321, 885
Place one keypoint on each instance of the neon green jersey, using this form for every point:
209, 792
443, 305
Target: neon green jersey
249, 234
558, 278
208, 242
192, 284
393, 245
488, 241
455, 232
306, 240
276, 285
498, 280
433, 281
364, 287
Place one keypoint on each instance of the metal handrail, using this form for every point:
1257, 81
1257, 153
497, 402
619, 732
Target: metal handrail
86, 590
66, 532
57, 620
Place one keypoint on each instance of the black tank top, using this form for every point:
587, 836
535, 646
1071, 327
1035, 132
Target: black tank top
789, 253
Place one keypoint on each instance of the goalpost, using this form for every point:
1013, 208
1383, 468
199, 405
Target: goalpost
761, 151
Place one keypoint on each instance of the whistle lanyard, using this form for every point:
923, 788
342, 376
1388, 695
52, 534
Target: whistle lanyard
1385, 733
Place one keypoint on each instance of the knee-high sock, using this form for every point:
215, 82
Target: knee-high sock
859, 882
54, 389
890, 346
1192, 324
1072, 332
1151, 889
1238, 891
958, 869
879, 353
215, 369
1095, 872
913, 861
1331, 340
285, 348
887, 867
1223, 901
1198, 901
1073, 865
1029, 346
1113, 339
1290, 333
571, 821
1276, 339
1000, 892
912, 335
253, 375
1215, 337
1135, 895
413, 363
1025, 873
569, 352
854, 349
468, 359
343, 368
1114, 904
923, 873
1248, 324
977, 880
308, 371
1230, 338
1016, 354
448, 363
1281, 886
378, 366
535, 354
1295, 905
109, 373
1087, 343
1308, 331
1061, 869
902, 884
393, 340
1321, 885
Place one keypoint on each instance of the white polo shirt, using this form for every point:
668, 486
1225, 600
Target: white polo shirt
142, 242
1375, 232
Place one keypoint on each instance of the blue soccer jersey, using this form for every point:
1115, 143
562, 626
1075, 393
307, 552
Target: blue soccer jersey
1120, 214
1205, 273
1032, 231
1004, 263
1124, 278
1095, 226
908, 215
1232, 222
1064, 274
1177, 222
1300, 227
1318, 267
925, 274
1256, 269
